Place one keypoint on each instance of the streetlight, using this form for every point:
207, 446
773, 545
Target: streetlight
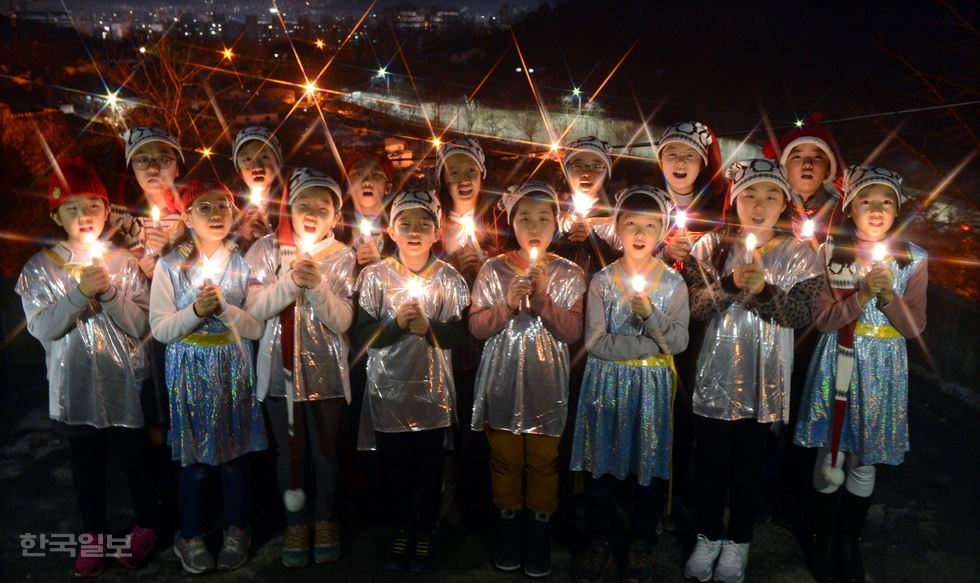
320, 44
577, 93
228, 54
383, 73
112, 99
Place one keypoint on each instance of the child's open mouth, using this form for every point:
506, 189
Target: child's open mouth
308, 228
216, 226
414, 244
258, 176
806, 176
639, 246
585, 185
465, 191
758, 220
534, 242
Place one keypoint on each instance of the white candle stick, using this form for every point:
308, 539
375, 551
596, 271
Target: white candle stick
155, 216
750, 243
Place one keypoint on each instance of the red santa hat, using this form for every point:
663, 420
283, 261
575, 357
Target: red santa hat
73, 176
811, 132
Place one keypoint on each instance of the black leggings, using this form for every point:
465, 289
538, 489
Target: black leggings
729, 457
413, 463
648, 504
89, 452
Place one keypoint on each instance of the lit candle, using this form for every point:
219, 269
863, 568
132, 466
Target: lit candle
808, 229
207, 270
415, 290
306, 245
533, 253
582, 203
469, 230
639, 283
680, 221
256, 197
97, 250
878, 252
750, 242
155, 216
366, 228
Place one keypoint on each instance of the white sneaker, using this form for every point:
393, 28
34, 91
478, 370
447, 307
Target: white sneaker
701, 564
731, 564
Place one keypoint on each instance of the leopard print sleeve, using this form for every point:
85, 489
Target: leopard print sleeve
708, 298
792, 309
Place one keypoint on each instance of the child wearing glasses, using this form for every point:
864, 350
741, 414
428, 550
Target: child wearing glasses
196, 309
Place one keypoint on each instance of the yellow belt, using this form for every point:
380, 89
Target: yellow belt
200, 339
656, 360
862, 329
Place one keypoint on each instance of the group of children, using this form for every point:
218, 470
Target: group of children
526, 316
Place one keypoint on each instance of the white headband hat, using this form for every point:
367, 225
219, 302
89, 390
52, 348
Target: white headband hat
136, 138
467, 147
515, 193
857, 177
690, 133
260, 134
662, 199
588, 144
304, 178
416, 198
745, 173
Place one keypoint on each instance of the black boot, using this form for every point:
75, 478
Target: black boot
537, 544
507, 551
854, 511
826, 508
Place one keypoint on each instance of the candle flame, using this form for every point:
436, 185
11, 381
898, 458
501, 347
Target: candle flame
366, 227
639, 283
680, 220
155, 216
750, 242
97, 250
808, 229
414, 288
255, 197
534, 255
306, 244
879, 252
583, 203
207, 269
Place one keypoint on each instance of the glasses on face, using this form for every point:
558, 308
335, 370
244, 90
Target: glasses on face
212, 208
689, 158
580, 168
161, 162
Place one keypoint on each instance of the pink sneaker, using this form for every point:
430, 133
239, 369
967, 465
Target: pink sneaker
139, 547
91, 555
